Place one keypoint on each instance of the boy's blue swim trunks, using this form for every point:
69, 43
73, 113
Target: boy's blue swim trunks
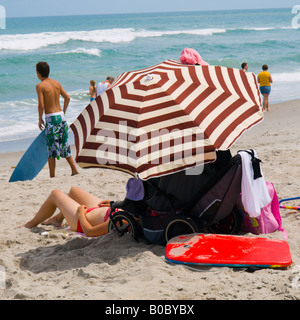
56, 131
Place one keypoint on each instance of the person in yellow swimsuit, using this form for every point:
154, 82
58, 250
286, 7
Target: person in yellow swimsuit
264, 79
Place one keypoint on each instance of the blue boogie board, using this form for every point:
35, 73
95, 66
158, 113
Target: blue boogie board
33, 160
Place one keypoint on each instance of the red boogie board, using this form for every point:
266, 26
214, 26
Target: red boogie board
228, 250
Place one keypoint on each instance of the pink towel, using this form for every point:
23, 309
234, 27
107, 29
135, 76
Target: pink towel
275, 207
269, 220
191, 56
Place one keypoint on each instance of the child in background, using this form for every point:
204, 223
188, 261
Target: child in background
92, 92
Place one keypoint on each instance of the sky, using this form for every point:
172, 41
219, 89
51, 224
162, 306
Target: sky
31, 8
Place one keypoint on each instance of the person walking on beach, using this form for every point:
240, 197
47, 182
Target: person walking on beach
92, 92
264, 79
56, 127
102, 86
244, 66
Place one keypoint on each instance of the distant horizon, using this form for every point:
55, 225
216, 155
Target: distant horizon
152, 12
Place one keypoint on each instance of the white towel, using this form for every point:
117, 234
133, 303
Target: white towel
255, 193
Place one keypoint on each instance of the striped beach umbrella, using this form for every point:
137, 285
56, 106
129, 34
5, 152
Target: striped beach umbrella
166, 118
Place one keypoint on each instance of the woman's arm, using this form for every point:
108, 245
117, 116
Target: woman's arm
271, 80
104, 203
88, 229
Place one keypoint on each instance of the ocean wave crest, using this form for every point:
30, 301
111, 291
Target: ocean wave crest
287, 77
200, 32
256, 29
92, 52
33, 41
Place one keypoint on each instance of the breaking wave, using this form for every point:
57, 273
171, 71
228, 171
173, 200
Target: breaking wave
33, 41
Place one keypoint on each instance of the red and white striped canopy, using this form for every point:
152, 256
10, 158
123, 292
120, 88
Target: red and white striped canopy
166, 118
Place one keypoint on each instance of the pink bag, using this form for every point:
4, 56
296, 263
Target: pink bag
191, 56
269, 219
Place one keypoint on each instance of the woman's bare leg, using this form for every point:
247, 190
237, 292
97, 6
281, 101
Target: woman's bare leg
81, 197
266, 101
57, 199
55, 221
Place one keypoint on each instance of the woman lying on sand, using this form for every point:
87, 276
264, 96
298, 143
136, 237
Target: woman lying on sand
83, 212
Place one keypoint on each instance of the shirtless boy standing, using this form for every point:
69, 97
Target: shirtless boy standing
56, 127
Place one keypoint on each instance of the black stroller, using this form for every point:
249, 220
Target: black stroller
180, 204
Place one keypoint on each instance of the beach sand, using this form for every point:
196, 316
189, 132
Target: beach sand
61, 266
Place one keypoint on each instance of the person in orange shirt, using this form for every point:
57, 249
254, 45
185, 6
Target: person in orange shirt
264, 79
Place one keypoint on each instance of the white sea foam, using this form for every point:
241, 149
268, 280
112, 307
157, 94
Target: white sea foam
33, 41
19, 131
258, 29
92, 52
200, 32
286, 77
18, 119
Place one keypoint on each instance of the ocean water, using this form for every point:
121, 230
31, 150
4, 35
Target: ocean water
82, 48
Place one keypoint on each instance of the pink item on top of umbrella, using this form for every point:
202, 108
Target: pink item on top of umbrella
191, 56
